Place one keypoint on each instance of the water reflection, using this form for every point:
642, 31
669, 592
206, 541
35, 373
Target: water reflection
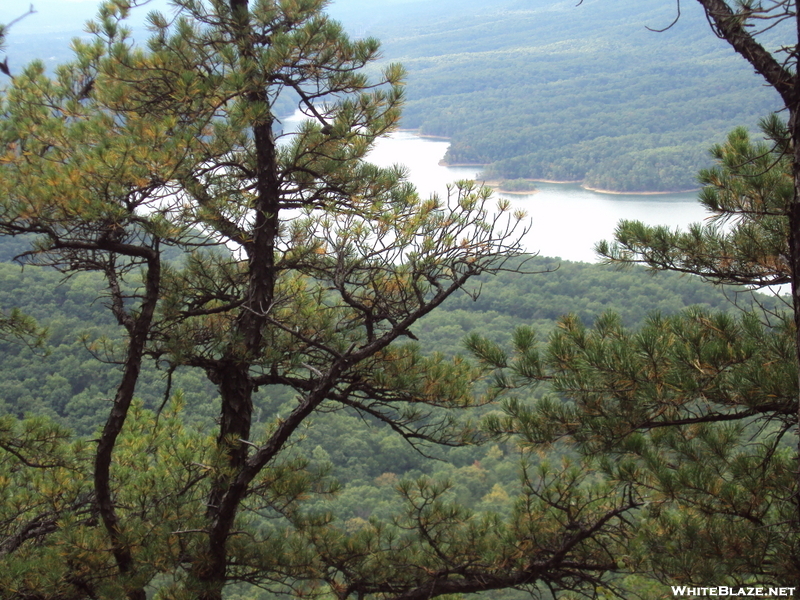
566, 220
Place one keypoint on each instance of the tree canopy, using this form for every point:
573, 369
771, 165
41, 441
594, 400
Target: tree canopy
693, 412
303, 272
754, 30
560, 91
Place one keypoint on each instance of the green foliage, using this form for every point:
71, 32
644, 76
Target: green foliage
552, 287
301, 270
368, 461
516, 185
68, 383
689, 412
305, 267
511, 86
746, 239
20, 326
71, 386
159, 478
562, 92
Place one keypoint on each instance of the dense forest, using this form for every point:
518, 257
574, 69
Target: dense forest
242, 364
71, 379
64, 380
555, 91
541, 90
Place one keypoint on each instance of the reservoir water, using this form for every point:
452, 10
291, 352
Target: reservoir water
566, 220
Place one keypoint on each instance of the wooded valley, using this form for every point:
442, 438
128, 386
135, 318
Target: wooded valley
569, 91
243, 363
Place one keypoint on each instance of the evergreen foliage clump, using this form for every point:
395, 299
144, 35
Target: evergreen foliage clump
692, 413
304, 269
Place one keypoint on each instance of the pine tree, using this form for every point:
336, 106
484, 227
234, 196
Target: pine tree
304, 269
745, 240
753, 30
16, 324
690, 412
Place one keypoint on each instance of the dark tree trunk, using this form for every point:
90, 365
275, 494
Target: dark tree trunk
794, 245
233, 375
784, 79
138, 330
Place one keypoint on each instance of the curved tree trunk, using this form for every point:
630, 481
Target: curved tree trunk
138, 330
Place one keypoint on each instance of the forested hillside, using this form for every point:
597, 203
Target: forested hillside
64, 379
378, 395
556, 91
538, 89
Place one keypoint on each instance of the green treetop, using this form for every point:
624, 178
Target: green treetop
304, 269
690, 412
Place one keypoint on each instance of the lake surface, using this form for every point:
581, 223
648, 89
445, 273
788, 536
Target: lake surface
566, 220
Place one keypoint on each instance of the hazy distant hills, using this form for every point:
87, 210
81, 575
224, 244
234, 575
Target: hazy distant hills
534, 88
47, 33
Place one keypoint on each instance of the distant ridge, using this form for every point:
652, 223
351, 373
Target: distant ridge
531, 88
551, 90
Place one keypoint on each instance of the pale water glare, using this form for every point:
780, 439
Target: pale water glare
566, 220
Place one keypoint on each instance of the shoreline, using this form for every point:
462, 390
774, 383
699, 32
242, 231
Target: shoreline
573, 181
494, 184
422, 135
442, 163
599, 191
